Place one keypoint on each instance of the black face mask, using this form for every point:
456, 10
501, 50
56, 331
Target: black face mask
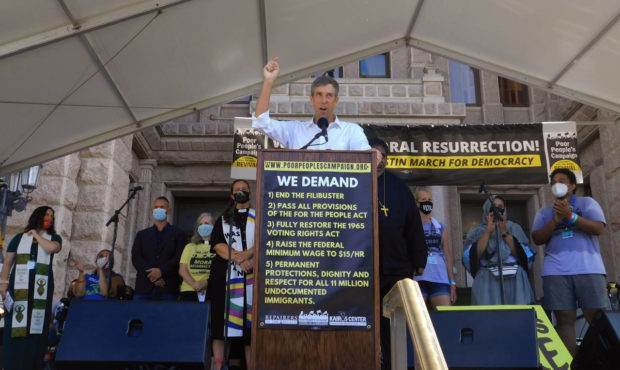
426, 207
242, 196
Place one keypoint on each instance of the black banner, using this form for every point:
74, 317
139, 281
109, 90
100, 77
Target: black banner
434, 155
472, 154
316, 253
466, 154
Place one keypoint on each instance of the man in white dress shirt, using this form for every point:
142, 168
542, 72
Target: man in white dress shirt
295, 134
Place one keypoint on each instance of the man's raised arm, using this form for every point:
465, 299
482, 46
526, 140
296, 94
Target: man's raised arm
270, 74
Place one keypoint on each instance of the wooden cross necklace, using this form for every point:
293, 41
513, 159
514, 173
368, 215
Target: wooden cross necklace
383, 207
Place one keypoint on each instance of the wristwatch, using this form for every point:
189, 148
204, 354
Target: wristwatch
505, 234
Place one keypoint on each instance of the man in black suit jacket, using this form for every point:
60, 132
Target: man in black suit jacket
155, 255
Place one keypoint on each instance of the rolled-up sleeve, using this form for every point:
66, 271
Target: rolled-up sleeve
274, 129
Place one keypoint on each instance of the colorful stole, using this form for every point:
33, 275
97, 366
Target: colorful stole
22, 285
240, 282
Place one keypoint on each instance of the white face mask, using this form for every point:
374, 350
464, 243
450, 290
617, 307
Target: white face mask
559, 190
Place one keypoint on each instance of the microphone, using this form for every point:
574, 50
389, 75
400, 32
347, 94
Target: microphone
137, 188
322, 123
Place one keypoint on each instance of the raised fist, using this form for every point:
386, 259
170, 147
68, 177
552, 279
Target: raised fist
271, 70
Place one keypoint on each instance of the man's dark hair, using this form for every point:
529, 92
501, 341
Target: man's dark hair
374, 141
571, 176
232, 186
501, 198
322, 81
163, 198
35, 222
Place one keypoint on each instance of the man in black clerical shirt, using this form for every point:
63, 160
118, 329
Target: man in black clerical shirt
402, 246
155, 255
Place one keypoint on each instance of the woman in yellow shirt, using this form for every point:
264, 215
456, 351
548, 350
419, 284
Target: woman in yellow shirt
195, 263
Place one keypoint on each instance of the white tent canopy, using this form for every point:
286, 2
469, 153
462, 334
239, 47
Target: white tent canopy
74, 73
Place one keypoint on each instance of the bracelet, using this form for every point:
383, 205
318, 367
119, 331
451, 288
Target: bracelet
452, 282
573, 218
2, 281
453, 287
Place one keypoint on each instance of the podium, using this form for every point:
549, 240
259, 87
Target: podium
316, 291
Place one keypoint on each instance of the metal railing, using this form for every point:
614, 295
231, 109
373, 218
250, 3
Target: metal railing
404, 302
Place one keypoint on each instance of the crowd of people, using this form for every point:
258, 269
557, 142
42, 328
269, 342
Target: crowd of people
216, 266
167, 268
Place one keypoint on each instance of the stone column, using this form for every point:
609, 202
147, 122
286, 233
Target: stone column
492, 109
446, 209
145, 203
606, 187
539, 105
140, 213
103, 183
127, 269
419, 60
451, 205
433, 92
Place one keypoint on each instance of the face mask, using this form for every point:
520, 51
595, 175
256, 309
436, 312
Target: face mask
205, 230
100, 262
47, 222
242, 196
559, 190
159, 214
426, 207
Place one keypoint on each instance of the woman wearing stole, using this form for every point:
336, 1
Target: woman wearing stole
234, 229
30, 289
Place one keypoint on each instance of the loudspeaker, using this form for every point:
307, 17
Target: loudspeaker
488, 338
117, 334
600, 348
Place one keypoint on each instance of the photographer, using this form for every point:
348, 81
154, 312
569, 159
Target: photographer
481, 258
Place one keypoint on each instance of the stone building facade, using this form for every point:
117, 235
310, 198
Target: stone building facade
188, 160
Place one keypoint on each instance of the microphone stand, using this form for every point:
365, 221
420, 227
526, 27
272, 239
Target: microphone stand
114, 218
318, 135
497, 217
